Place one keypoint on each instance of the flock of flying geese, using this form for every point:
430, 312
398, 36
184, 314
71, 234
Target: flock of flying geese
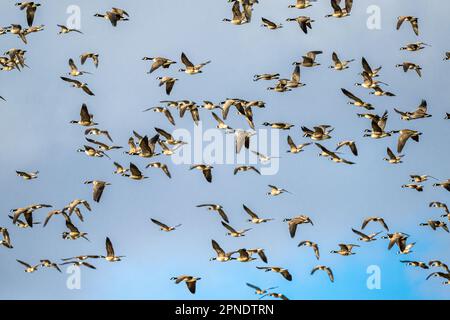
162, 143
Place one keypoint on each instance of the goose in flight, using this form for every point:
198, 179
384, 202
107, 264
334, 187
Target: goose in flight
339, 65
406, 66
398, 238
120, 169
345, 249
86, 119
270, 25
74, 204
79, 85
284, 272
419, 113
74, 72
309, 60
103, 146
304, 22
441, 275
434, 224
370, 83
266, 76
28, 267
169, 82
89, 55
232, 232
392, 158
27, 212
366, 237
420, 178
378, 92
324, 268
320, 133
294, 222
97, 132
242, 139
414, 186
276, 295
135, 173
349, 143
275, 191
161, 166
414, 21
98, 187
375, 219
293, 148
79, 264
63, 29
48, 264
190, 67
244, 255
378, 129
28, 175
190, 281
258, 290
311, 244
205, 169
6, 240
220, 123
406, 247
339, 12
158, 62
406, 134
439, 264
31, 8
166, 112
261, 253
22, 224
92, 152
416, 46
114, 16
294, 82
222, 256
164, 227
367, 68
244, 169
278, 125
331, 155
255, 219
73, 233
301, 4
217, 208
82, 258
419, 264
238, 16
17, 29
443, 184
357, 102
110, 256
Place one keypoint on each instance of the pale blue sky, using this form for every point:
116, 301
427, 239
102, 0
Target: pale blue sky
36, 135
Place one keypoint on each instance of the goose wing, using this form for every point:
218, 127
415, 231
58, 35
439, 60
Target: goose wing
250, 212
351, 95
134, 170
186, 61
162, 225
228, 227
109, 248
217, 248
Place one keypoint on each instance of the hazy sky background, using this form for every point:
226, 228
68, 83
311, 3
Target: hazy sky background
36, 135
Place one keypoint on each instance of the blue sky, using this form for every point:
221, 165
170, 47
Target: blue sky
36, 135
